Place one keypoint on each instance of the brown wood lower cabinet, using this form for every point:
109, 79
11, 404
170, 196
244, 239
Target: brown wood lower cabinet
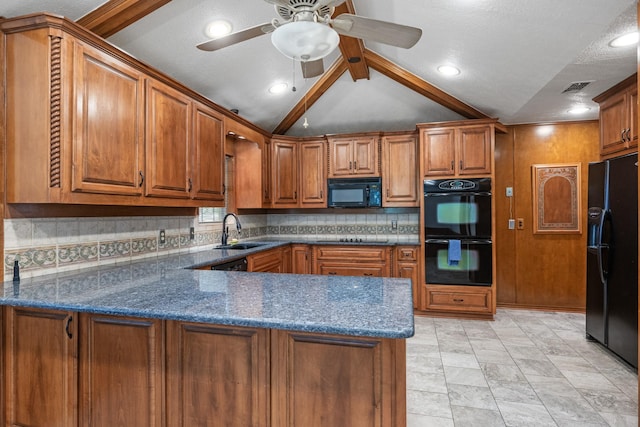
40, 372
127, 374
269, 261
471, 299
217, 374
352, 260
328, 380
121, 371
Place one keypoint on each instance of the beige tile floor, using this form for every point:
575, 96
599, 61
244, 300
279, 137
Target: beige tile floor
525, 368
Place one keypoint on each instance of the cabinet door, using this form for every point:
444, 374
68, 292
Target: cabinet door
208, 153
121, 361
400, 171
168, 133
285, 174
341, 161
633, 116
266, 261
313, 177
438, 151
474, 150
409, 270
301, 259
108, 124
267, 190
217, 375
329, 380
613, 122
40, 367
365, 157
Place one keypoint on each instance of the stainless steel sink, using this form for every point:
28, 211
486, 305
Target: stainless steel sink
239, 246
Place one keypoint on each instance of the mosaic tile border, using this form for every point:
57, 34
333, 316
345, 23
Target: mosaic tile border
47, 259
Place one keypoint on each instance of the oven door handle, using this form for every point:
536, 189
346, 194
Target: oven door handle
458, 193
465, 241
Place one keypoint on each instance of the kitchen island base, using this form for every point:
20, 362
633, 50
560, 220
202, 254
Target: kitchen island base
63, 367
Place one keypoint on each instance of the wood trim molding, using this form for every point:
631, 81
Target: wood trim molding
115, 15
352, 49
315, 92
410, 80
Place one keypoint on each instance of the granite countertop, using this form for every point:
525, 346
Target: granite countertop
167, 288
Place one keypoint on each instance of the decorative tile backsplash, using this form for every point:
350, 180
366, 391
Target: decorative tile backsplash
51, 245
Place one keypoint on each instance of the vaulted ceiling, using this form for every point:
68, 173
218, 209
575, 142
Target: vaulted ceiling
516, 57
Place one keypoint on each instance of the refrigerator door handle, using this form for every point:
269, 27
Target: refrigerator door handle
605, 247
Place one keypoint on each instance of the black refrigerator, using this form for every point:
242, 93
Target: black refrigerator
612, 256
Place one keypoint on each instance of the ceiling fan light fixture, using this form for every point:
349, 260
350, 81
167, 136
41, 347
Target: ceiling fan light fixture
625, 40
218, 28
305, 40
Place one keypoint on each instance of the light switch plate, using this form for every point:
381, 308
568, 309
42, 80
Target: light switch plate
509, 191
512, 224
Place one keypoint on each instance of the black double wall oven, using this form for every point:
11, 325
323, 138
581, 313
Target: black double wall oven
457, 233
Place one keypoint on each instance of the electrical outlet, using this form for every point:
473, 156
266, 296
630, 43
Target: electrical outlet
192, 233
394, 224
520, 223
509, 191
162, 238
512, 224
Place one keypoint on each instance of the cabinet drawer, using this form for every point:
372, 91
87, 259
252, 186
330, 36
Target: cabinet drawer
352, 253
331, 268
466, 299
407, 253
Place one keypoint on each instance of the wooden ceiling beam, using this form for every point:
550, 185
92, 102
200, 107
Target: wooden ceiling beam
410, 80
352, 49
115, 15
315, 92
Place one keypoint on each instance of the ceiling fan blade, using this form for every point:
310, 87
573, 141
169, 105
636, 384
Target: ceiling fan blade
378, 31
312, 68
236, 37
329, 3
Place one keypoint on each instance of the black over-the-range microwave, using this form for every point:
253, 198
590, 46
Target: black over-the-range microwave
355, 193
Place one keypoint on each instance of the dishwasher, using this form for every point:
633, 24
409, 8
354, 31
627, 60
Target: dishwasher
235, 265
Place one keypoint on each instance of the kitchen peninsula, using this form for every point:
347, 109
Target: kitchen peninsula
161, 342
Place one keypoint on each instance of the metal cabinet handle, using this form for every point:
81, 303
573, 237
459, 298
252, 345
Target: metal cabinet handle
368, 274
461, 165
67, 328
623, 138
224, 189
355, 165
350, 164
458, 300
629, 134
190, 185
332, 273
321, 194
141, 179
451, 164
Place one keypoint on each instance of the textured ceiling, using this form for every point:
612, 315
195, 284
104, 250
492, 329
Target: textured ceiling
516, 58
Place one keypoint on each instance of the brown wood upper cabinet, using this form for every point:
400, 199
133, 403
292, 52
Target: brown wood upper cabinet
185, 150
400, 170
303, 186
355, 155
618, 117
458, 148
108, 148
98, 127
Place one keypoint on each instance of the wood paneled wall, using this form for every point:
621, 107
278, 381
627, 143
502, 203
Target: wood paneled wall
540, 270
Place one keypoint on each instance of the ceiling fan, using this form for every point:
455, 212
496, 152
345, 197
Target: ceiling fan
307, 33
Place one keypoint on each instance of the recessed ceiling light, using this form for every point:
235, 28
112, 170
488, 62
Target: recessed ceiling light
578, 110
218, 28
625, 40
448, 70
278, 88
